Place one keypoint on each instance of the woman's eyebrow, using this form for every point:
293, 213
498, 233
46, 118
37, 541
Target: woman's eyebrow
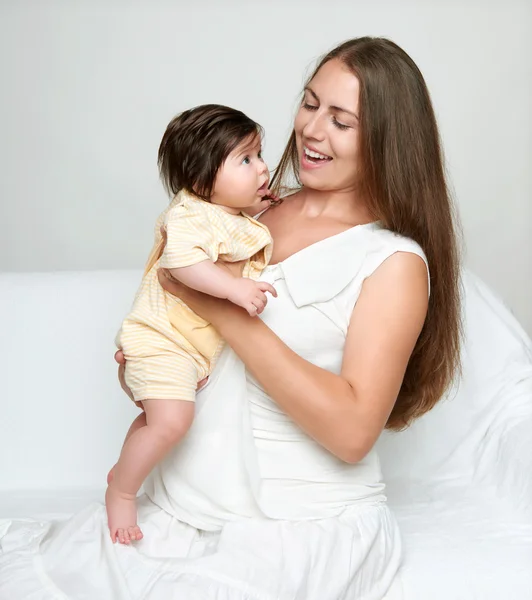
335, 108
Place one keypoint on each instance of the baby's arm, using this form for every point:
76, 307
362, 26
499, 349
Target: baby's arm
211, 279
205, 277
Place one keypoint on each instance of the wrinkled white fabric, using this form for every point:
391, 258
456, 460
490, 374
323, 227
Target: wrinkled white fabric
247, 506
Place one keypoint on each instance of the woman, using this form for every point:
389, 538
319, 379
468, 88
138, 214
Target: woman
276, 492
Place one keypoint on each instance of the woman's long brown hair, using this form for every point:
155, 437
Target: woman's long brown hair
403, 181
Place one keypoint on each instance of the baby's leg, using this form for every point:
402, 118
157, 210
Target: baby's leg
139, 422
167, 421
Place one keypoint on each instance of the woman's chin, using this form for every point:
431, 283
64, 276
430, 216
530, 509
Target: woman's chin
312, 180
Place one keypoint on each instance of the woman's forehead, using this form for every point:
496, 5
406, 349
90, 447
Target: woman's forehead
335, 84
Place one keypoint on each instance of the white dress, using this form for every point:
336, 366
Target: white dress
247, 507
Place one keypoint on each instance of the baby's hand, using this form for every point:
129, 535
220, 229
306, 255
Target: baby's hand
273, 198
269, 199
250, 294
258, 207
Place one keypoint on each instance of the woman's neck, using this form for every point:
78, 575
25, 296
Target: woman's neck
345, 206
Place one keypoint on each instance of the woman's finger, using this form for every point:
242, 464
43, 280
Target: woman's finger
171, 285
122, 380
163, 279
122, 376
202, 384
120, 358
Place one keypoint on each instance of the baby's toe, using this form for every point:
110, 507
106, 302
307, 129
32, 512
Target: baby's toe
127, 538
134, 533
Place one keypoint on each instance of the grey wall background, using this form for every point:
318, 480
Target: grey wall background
88, 88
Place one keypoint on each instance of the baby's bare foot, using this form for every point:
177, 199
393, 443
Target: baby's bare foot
122, 516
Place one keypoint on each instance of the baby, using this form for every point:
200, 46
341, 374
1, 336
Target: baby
210, 162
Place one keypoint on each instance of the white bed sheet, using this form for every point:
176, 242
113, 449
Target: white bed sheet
463, 546
459, 480
457, 546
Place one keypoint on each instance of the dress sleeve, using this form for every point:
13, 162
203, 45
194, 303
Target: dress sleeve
158, 244
381, 245
329, 275
191, 237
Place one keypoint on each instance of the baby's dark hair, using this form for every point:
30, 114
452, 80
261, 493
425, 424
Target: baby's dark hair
197, 142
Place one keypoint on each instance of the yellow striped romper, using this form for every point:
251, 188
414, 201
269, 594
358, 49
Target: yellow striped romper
167, 346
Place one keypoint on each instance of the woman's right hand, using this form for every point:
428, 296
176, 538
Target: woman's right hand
121, 360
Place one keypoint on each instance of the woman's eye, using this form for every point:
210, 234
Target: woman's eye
340, 125
308, 106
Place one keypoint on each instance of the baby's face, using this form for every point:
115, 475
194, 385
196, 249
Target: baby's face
243, 178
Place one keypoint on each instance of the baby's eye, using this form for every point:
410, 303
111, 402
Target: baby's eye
246, 160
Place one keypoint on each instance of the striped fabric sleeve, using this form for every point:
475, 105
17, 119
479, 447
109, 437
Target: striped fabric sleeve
190, 238
159, 223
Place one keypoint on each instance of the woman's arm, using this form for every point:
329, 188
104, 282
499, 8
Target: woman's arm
344, 413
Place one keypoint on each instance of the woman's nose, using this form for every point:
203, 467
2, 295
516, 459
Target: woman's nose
314, 127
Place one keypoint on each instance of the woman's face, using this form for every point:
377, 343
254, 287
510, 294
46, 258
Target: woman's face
327, 130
